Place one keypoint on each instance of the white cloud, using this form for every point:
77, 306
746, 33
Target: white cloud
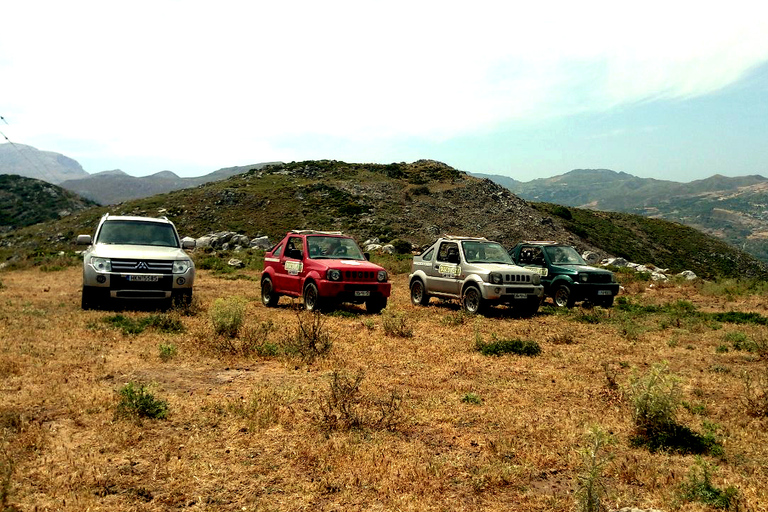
203, 79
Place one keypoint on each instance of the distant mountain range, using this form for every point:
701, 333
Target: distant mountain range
41, 165
732, 209
107, 187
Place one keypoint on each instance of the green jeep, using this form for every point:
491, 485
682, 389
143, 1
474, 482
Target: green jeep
565, 275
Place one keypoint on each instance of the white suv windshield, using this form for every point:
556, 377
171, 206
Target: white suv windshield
485, 252
333, 247
129, 232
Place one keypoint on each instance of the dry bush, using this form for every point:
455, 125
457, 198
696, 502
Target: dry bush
395, 324
266, 406
755, 396
591, 489
345, 407
311, 339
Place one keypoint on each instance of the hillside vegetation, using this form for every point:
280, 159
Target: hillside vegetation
415, 202
27, 201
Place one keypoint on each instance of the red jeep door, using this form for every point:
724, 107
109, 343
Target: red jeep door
292, 262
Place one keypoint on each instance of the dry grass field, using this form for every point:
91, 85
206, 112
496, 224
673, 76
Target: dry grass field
377, 420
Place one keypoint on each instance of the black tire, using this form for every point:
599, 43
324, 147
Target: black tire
268, 295
472, 300
374, 305
88, 300
419, 295
312, 300
563, 298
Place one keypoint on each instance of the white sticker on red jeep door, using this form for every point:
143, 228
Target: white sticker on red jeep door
293, 267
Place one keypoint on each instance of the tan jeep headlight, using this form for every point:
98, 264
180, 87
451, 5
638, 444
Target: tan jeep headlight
536, 279
495, 278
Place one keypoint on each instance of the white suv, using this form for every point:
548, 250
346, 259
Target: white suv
136, 258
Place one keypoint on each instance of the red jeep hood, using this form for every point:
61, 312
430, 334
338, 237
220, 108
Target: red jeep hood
349, 265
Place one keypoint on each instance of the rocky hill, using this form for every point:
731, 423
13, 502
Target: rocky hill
732, 209
30, 162
27, 201
415, 202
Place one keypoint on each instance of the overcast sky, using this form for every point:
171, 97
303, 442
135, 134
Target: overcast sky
670, 90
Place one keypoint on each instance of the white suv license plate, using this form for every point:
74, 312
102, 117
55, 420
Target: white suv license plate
521, 295
143, 279
603, 292
362, 293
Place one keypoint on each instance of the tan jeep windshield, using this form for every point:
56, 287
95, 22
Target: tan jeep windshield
333, 247
130, 232
485, 252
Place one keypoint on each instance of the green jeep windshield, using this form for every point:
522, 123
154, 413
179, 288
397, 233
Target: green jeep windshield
564, 255
132, 232
333, 247
485, 252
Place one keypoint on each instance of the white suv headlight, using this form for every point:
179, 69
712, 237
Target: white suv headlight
101, 264
180, 266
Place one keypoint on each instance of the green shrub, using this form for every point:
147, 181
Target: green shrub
167, 351
227, 315
163, 322
472, 398
137, 402
395, 324
591, 491
500, 347
699, 488
562, 212
655, 399
401, 246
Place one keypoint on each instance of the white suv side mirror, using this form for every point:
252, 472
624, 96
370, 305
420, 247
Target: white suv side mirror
83, 239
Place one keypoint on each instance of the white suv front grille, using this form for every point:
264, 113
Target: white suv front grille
142, 266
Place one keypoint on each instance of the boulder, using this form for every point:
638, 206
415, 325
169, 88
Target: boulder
234, 262
203, 241
388, 249
592, 258
372, 247
689, 275
261, 242
240, 240
372, 241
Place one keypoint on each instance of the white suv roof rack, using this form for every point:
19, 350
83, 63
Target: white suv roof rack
539, 242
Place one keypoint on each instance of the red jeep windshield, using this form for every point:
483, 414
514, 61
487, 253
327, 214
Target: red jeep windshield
333, 247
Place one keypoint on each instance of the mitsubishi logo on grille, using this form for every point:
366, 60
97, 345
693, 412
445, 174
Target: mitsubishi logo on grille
142, 265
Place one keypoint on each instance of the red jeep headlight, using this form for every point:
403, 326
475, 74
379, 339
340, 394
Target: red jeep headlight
382, 276
334, 275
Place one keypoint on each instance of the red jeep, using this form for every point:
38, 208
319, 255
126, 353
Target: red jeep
324, 268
